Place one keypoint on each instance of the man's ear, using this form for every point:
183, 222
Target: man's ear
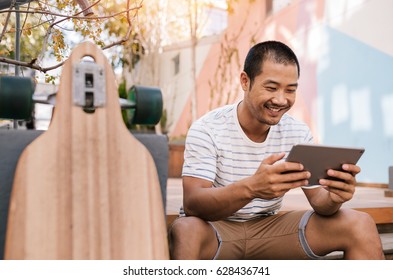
244, 81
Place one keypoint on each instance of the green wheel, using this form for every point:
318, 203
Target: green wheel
16, 97
147, 105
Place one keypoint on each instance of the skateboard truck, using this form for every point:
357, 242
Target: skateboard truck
143, 104
89, 86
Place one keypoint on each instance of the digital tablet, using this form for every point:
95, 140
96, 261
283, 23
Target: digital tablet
318, 159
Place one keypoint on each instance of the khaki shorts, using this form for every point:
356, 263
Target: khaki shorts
280, 236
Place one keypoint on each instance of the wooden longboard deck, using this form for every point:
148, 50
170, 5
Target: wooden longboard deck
86, 188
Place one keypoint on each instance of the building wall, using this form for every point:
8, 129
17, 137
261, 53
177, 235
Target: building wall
176, 87
355, 88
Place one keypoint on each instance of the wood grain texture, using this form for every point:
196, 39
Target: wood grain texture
86, 188
382, 215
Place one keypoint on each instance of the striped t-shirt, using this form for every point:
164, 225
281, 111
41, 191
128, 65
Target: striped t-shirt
219, 151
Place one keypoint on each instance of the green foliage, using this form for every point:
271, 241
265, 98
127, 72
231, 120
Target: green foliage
49, 79
51, 28
31, 38
123, 94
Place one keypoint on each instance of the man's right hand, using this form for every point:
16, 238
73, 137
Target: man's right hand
269, 181
273, 179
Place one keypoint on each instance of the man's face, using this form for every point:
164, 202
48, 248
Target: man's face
273, 92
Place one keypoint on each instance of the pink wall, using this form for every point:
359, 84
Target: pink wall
248, 25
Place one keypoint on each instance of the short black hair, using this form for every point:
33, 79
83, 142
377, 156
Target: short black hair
272, 50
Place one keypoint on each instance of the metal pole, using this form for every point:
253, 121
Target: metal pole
17, 47
17, 38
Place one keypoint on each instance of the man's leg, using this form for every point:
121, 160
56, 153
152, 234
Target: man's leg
192, 238
351, 231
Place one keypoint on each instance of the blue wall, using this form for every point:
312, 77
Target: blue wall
355, 97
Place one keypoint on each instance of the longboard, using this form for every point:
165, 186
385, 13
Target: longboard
86, 188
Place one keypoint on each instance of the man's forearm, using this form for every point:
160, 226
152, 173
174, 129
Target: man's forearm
216, 203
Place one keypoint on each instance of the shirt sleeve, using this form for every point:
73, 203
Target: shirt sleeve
309, 139
200, 155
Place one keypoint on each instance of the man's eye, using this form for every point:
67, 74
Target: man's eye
271, 88
291, 90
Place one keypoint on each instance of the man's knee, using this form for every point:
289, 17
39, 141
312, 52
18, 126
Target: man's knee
362, 234
193, 237
344, 230
186, 227
353, 226
356, 220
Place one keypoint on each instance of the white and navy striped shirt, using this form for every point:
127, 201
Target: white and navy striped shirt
219, 151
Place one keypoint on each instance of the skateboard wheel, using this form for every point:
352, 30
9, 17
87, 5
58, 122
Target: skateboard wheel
16, 97
148, 105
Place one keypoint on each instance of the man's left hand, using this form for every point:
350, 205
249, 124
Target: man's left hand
341, 190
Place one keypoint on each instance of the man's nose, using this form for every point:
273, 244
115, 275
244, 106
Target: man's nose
279, 98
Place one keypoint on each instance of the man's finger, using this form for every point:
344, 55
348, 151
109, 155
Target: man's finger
273, 158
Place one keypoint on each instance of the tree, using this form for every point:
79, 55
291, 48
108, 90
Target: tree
54, 27
160, 24
194, 26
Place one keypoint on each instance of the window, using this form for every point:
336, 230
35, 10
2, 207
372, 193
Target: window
274, 6
176, 64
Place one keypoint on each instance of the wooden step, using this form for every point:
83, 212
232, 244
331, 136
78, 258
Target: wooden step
381, 215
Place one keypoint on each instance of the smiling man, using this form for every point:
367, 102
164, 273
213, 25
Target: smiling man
235, 177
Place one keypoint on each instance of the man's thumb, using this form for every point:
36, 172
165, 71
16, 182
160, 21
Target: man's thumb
273, 158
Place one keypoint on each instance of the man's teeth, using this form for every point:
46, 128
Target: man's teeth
274, 109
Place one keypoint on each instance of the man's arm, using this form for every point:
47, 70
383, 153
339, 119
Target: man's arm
201, 200
269, 181
328, 199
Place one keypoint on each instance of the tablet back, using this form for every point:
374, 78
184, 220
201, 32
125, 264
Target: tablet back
318, 159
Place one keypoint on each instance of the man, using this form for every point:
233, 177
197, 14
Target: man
235, 177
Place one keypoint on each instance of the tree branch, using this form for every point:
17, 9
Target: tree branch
73, 17
86, 7
5, 26
126, 38
29, 65
38, 67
